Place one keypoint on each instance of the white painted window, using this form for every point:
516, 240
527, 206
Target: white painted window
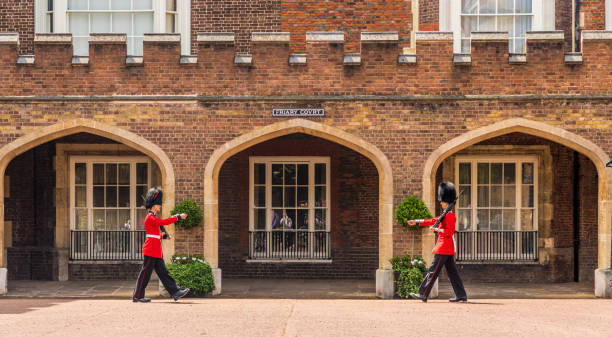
131, 17
608, 10
289, 198
107, 193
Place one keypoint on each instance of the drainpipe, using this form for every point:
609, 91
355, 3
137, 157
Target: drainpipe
576, 217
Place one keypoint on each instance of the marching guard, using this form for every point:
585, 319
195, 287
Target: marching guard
152, 249
444, 250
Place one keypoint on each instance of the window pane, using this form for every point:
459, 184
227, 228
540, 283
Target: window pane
483, 173
486, 24
487, 6
288, 219
527, 173
277, 214
527, 220
509, 196
143, 23
468, 24
98, 4
465, 173
124, 174
519, 46
523, 6
469, 6
482, 218
483, 196
496, 173
141, 192
77, 4
277, 174
289, 196
302, 196
142, 173
260, 219
124, 196
496, 196
466, 198
141, 214
277, 196
527, 196
465, 46
124, 221
259, 172
302, 219
320, 196
98, 219
523, 24
170, 23
290, 174
98, 196
302, 174
122, 23
496, 219
80, 219
111, 219
120, 5
111, 196
464, 219
505, 6
80, 196
260, 196
111, 174
98, 174
50, 5
320, 174
509, 173
100, 22
80, 173
320, 219
78, 24
143, 4
509, 219
171, 5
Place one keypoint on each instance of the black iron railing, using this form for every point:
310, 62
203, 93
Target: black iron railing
497, 246
106, 245
289, 245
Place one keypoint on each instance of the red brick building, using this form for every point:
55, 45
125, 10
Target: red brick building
298, 126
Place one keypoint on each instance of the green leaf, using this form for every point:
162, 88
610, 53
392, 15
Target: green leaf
193, 211
410, 209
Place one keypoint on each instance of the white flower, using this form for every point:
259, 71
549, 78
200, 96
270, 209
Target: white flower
193, 258
201, 260
184, 258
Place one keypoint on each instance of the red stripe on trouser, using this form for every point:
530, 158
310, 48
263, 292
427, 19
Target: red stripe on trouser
142, 280
431, 279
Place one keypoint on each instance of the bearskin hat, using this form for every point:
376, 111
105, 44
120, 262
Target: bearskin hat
154, 197
447, 192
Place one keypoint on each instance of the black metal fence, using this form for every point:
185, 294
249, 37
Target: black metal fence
497, 246
289, 245
106, 245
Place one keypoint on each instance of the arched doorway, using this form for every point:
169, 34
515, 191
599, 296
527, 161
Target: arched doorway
118, 139
384, 275
581, 146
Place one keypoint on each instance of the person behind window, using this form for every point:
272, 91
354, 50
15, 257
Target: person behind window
287, 224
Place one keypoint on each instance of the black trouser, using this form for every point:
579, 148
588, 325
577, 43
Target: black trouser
148, 265
439, 261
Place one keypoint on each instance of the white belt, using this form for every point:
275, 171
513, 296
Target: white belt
153, 236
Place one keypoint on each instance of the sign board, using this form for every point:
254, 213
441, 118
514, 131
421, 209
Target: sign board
297, 112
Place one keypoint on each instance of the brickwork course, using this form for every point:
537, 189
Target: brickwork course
407, 111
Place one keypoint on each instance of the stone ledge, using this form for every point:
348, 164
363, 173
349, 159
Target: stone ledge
490, 37
353, 59
107, 38
555, 35
462, 59
216, 37
188, 59
3, 281
80, 60
243, 59
270, 37
407, 59
517, 59
162, 38
9, 38
379, 37
603, 283
25, 59
333, 37
573, 58
134, 61
434, 36
53, 38
297, 59
597, 35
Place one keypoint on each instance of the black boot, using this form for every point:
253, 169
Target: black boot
458, 299
418, 297
180, 293
142, 300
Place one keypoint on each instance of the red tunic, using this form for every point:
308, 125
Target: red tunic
152, 246
445, 244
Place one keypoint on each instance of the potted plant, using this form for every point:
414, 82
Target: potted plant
192, 272
193, 211
409, 273
411, 208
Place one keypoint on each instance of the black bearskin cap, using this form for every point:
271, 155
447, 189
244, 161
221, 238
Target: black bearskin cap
447, 192
154, 197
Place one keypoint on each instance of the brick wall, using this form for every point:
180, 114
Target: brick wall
354, 212
84, 272
17, 16
429, 15
594, 14
563, 20
588, 191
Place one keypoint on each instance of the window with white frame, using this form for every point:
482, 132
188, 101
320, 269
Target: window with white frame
131, 17
107, 193
289, 198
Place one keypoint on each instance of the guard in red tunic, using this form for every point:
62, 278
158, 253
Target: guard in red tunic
444, 250
152, 250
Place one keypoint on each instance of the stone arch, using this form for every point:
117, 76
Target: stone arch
37, 137
546, 131
220, 155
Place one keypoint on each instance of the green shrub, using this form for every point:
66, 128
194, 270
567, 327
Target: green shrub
193, 273
410, 270
193, 211
410, 209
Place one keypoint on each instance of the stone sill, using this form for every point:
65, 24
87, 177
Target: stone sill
498, 263
434, 36
297, 59
379, 37
289, 261
103, 262
333, 37
270, 37
353, 59
407, 59
216, 37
